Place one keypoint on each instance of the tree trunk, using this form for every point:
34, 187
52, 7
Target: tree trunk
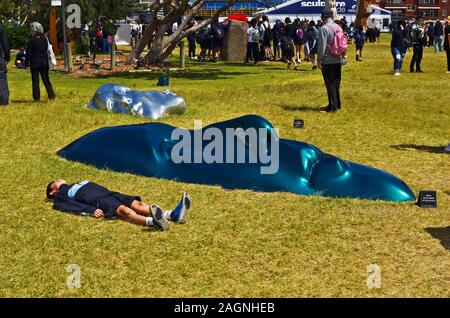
146, 38
362, 12
156, 53
331, 4
113, 52
161, 47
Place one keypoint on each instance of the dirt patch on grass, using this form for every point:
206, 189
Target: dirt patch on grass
85, 67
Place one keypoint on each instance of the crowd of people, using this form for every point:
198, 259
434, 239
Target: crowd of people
415, 35
292, 42
95, 38
296, 41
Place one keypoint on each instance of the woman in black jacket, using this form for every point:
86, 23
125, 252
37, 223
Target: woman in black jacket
37, 60
399, 44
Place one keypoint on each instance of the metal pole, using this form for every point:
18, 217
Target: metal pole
63, 12
182, 57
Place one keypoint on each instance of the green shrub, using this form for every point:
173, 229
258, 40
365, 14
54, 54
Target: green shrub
17, 36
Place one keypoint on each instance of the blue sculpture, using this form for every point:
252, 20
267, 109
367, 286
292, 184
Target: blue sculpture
123, 100
148, 149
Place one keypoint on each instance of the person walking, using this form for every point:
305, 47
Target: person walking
37, 60
299, 40
276, 35
218, 35
289, 31
399, 44
201, 38
134, 33
360, 39
266, 33
418, 42
311, 43
430, 33
5, 55
287, 48
329, 63
438, 33
191, 40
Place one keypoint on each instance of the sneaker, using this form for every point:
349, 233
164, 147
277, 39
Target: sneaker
158, 218
397, 73
327, 109
296, 68
447, 149
180, 213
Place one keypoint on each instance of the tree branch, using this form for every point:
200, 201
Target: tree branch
181, 32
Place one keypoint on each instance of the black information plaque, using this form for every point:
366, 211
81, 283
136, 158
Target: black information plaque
427, 199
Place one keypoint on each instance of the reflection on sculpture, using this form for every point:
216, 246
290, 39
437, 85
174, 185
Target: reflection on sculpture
123, 100
303, 169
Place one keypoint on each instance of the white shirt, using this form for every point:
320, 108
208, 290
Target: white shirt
174, 27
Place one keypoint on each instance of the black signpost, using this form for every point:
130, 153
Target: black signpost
427, 199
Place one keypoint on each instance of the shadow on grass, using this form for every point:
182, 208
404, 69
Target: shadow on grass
442, 234
432, 149
302, 108
203, 74
22, 101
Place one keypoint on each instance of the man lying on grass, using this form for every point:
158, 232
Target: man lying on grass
89, 198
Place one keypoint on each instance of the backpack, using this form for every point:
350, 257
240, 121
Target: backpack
255, 35
286, 43
340, 44
267, 33
300, 33
201, 36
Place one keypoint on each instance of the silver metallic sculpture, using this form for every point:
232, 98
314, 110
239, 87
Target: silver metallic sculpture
123, 100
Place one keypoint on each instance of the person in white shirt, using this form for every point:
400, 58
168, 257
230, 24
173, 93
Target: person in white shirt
253, 38
134, 33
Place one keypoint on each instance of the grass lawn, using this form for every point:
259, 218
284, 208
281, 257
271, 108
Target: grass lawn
237, 243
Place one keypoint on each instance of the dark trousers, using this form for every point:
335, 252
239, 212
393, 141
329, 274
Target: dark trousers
252, 52
448, 59
4, 91
417, 57
275, 49
192, 48
332, 77
43, 71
